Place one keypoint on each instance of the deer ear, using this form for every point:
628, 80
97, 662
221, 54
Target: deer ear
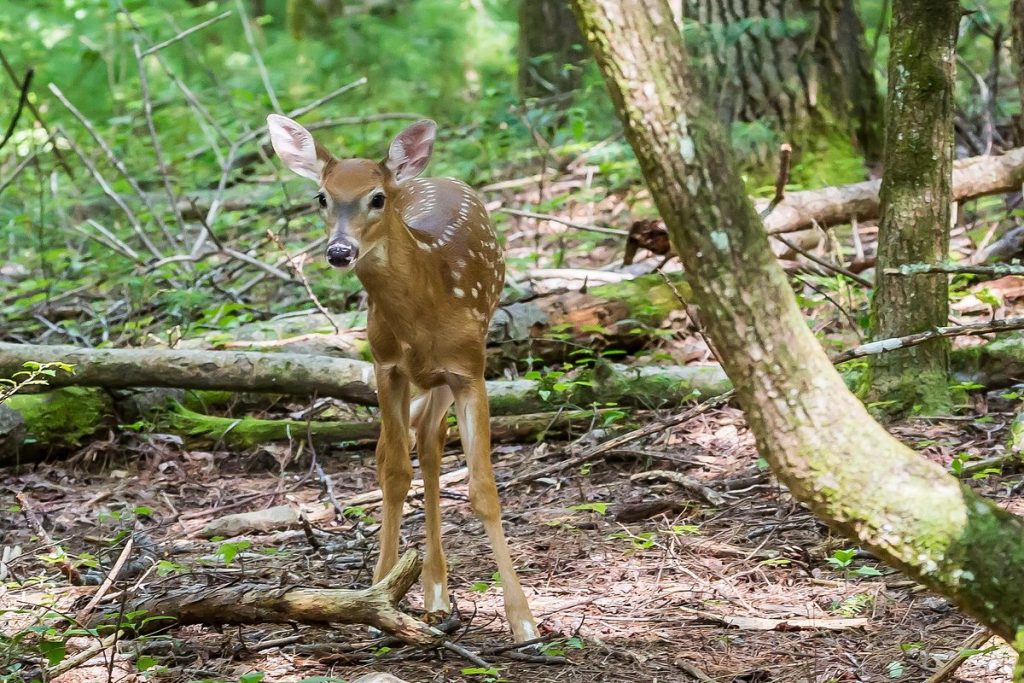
296, 147
410, 151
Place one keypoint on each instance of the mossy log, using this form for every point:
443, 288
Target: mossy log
548, 328
66, 416
246, 432
998, 363
281, 373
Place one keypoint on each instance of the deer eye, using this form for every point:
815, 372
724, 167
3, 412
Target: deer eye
377, 201
321, 200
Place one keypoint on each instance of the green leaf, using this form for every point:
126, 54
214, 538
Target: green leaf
599, 508
145, 662
53, 650
253, 677
867, 571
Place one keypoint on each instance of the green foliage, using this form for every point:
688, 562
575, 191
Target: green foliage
34, 374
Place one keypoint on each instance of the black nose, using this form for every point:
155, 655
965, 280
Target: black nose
340, 254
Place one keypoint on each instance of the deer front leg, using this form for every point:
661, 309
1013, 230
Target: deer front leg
394, 468
475, 429
431, 429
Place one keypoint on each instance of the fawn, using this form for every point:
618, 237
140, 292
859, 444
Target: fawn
433, 271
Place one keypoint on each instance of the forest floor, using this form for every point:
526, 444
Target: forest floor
690, 592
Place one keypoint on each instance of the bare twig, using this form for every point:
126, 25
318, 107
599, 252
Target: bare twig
81, 657
186, 33
109, 241
111, 157
109, 581
835, 268
317, 103
563, 221
884, 345
251, 40
22, 99
158, 153
994, 270
785, 154
975, 641
22, 165
619, 441
28, 510
297, 267
38, 117
114, 196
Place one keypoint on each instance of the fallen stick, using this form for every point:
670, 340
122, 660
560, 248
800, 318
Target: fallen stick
972, 178
884, 345
976, 640
258, 603
993, 270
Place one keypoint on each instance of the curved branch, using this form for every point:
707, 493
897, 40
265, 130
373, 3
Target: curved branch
22, 99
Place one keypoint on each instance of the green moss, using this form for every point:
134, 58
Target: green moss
649, 298
250, 431
64, 416
914, 391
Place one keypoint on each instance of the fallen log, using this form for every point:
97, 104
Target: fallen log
621, 315
66, 416
998, 363
248, 602
281, 373
250, 431
972, 178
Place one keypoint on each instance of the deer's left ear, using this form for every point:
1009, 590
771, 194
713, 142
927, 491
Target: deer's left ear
296, 147
410, 151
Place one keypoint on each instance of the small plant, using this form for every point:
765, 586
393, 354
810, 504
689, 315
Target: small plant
958, 467
34, 374
229, 551
841, 559
853, 605
489, 675
599, 508
557, 648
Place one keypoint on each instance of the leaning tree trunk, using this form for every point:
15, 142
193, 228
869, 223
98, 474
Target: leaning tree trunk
800, 66
550, 48
816, 435
915, 197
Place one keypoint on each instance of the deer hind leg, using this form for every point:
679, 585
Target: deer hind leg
394, 467
475, 430
430, 420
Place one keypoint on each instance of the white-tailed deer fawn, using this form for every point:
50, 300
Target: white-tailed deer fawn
433, 271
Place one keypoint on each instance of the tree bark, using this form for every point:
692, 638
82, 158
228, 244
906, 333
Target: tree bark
253, 603
817, 436
551, 48
1017, 27
915, 197
800, 65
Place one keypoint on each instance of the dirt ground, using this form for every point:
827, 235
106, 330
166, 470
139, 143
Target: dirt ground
678, 591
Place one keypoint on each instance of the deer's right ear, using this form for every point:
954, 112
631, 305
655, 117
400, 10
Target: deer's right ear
296, 147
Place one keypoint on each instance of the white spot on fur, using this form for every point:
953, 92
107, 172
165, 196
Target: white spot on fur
458, 292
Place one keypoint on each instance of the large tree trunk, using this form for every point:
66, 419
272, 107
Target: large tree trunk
816, 435
551, 48
798, 64
915, 199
